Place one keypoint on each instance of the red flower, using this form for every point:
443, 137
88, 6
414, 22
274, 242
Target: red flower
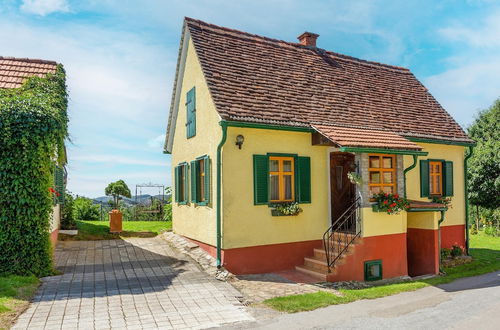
393, 204
389, 210
396, 196
58, 194
52, 190
385, 202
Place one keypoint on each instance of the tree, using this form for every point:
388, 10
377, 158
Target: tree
118, 190
484, 165
85, 209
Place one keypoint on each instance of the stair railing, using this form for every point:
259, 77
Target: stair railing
342, 233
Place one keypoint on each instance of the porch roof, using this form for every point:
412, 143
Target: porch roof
365, 138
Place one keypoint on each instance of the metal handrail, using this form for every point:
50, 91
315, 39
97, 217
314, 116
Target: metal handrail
341, 234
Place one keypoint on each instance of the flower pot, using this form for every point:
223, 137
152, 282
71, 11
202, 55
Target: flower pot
115, 221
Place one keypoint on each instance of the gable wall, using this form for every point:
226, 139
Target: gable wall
196, 222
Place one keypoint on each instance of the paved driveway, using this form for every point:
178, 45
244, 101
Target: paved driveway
138, 283
469, 303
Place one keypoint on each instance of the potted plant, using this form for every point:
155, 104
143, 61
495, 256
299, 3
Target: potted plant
355, 178
117, 190
446, 201
283, 209
390, 203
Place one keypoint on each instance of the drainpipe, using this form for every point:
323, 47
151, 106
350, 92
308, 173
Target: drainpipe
466, 188
412, 166
223, 124
439, 239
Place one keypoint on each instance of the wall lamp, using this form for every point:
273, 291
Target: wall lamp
239, 141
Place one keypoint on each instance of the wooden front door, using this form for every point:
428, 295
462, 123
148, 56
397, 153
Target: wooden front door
342, 191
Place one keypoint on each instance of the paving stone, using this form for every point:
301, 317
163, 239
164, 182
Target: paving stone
134, 283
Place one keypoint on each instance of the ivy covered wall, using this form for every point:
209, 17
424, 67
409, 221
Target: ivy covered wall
33, 127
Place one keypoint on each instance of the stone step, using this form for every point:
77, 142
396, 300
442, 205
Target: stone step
316, 264
312, 272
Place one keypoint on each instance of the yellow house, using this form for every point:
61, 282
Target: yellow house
284, 156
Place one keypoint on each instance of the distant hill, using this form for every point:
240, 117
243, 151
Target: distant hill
139, 199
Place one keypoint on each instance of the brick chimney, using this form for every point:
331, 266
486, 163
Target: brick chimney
308, 39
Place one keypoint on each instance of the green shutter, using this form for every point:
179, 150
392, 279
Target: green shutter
260, 179
304, 179
194, 181
177, 184
186, 183
448, 178
191, 113
424, 178
207, 179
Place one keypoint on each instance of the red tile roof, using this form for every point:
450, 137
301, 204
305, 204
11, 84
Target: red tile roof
257, 79
13, 71
356, 137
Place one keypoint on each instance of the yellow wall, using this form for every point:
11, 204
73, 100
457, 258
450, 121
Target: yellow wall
246, 224
381, 223
196, 222
456, 214
423, 220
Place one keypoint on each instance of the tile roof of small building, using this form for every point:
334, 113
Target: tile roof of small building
356, 137
13, 71
262, 80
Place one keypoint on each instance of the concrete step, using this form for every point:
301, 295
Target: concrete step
316, 264
312, 272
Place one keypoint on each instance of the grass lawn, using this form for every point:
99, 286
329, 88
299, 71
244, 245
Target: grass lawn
15, 294
99, 230
484, 249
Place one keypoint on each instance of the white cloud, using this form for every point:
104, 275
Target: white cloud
116, 159
471, 83
485, 34
157, 142
44, 7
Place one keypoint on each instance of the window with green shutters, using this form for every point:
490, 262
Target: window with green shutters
181, 183
272, 178
59, 184
200, 180
436, 178
191, 113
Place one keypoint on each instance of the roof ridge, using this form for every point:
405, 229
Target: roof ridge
30, 60
298, 45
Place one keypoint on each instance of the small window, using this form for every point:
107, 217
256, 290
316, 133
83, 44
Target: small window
281, 179
373, 270
382, 174
191, 113
436, 178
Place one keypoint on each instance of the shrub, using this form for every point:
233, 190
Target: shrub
33, 127
445, 253
491, 231
85, 209
68, 217
456, 251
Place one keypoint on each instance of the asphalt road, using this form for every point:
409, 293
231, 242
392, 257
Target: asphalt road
469, 303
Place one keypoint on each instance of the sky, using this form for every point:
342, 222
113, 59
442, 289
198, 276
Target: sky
120, 58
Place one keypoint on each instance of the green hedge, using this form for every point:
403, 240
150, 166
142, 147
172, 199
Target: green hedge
33, 127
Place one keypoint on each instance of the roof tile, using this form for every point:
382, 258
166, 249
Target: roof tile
258, 79
13, 71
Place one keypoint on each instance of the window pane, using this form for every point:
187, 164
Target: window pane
387, 189
201, 180
387, 162
287, 166
437, 185
374, 161
388, 177
374, 190
287, 179
374, 177
273, 165
181, 183
274, 187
